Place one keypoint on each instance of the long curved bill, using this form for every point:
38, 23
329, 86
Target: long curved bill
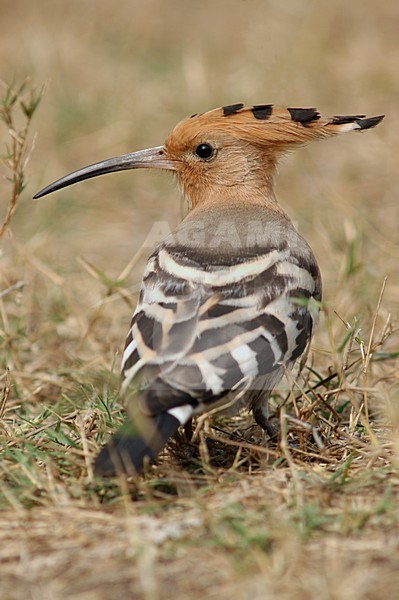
152, 158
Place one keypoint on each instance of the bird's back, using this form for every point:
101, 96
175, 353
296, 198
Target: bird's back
224, 304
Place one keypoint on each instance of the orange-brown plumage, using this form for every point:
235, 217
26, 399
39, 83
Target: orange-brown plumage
248, 142
277, 129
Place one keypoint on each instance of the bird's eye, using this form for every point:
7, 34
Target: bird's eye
204, 151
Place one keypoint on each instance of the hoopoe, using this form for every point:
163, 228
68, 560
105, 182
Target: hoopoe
229, 300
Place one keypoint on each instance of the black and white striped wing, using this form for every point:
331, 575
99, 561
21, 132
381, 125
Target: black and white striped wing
200, 331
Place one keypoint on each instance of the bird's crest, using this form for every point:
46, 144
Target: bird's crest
266, 125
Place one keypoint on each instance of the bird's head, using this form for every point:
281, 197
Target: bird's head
229, 147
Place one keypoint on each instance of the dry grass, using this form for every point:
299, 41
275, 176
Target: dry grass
316, 516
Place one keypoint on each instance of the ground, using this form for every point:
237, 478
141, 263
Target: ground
313, 516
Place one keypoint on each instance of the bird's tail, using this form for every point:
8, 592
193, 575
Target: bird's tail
139, 442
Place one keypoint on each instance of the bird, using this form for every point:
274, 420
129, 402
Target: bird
229, 300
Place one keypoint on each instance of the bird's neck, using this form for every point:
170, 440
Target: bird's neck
223, 199
232, 224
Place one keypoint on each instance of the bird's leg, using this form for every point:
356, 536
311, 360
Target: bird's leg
261, 416
188, 430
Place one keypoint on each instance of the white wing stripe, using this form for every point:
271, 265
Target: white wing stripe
130, 373
246, 359
128, 351
278, 355
210, 374
246, 337
160, 314
301, 276
233, 318
224, 276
